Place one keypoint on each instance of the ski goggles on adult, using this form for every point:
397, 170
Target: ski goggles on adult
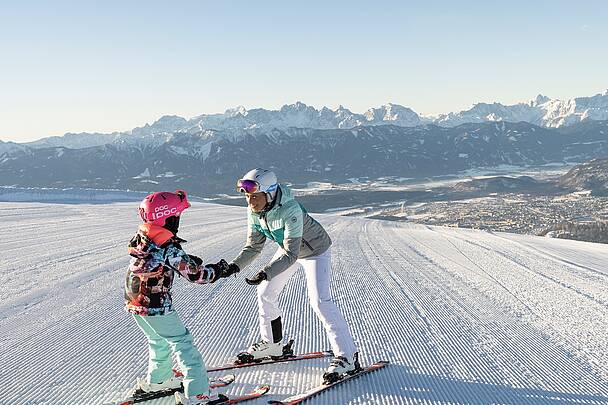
247, 186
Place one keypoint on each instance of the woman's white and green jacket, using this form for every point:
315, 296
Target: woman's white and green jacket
289, 225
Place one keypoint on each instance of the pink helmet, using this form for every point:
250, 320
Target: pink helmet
157, 207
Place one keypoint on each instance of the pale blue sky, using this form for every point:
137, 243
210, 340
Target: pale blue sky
72, 66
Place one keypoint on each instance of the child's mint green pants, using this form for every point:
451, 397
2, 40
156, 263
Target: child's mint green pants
166, 335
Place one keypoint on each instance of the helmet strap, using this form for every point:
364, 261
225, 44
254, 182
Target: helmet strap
270, 202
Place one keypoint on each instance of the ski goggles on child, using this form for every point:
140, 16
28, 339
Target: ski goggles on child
247, 186
182, 197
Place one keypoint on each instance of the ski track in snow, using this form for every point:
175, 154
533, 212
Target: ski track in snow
465, 317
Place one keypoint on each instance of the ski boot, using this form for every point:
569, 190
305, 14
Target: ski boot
340, 366
182, 399
143, 387
265, 350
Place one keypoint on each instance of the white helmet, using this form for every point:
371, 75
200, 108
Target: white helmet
259, 180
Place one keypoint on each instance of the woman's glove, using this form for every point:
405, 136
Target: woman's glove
230, 269
257, 279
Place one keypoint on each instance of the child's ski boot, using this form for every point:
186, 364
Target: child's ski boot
182, 399
143, 387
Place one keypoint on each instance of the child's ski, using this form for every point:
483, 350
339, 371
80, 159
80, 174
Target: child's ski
147, 396
303, 356
296, 399
256, 393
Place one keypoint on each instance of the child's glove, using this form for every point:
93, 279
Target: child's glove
196, 259
223, 269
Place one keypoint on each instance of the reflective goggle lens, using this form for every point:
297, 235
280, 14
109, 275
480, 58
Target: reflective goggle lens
247, 186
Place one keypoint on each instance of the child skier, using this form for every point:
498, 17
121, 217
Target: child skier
156, 255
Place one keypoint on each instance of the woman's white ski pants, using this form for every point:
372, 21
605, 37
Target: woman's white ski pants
318, 276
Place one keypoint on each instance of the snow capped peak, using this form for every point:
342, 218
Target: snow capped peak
166, 124
232, 112
298, 106
169, 120
375, 113
393, 113
395, 107
341, 110
540, 99
494, 117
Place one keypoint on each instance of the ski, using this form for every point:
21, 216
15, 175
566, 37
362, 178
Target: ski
135, 399
296, 399
256, 393
303, 356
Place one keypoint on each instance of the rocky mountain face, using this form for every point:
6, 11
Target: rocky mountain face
591, 175
505, 184
208, 162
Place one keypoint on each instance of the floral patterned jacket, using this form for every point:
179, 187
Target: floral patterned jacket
156, 256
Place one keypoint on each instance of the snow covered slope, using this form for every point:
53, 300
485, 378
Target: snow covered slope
465, 317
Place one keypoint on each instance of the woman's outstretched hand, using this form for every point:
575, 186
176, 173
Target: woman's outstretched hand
257, 279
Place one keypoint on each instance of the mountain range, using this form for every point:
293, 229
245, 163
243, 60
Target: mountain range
206, 153
237, 122
208, 162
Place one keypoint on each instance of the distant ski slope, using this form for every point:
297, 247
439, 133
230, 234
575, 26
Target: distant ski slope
465, 317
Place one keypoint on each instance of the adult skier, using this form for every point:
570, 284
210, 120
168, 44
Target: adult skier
156, 256
274, 214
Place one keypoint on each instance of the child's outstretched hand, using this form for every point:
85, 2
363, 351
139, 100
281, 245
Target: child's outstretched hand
223, 269
196, 259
